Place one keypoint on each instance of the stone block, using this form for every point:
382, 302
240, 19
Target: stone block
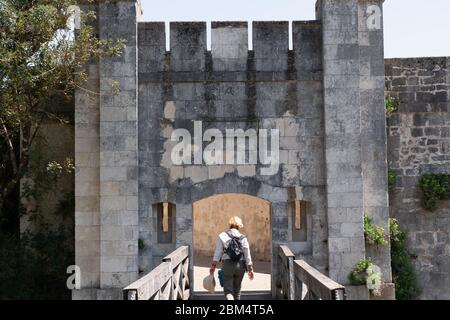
270, 46
187, 46
196, 173
229, 46
113, 174
83, 145
87, 219
86, 189
87, 203
87, 233
246, 170
339, 245
357, 293
387, 292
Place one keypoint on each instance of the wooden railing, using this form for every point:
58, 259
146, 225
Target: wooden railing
310, 284
285, 279
299, 281
168, 281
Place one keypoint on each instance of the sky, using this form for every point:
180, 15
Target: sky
413, 28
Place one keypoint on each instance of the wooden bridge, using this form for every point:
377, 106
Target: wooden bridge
295, 280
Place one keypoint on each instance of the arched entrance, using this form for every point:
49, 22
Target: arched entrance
210, 217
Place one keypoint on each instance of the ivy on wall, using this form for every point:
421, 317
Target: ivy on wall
391, 105
434, 187
392, 179
403, 272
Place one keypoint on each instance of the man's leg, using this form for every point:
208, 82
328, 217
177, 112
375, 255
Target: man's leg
237, 280
228, 279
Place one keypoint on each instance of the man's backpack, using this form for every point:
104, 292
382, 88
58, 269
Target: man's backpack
234, 248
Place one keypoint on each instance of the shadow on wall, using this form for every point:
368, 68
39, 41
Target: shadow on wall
211, 217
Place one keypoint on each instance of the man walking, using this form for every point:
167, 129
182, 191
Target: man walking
233, 249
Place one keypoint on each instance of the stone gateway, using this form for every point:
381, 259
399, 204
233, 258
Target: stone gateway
325, 96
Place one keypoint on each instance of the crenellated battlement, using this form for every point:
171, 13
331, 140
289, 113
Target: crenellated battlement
230, 57
225, 33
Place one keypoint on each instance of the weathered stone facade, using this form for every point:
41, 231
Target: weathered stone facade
326, 96
228, 88
419, 143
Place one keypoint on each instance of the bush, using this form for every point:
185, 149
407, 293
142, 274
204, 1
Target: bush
358, 275
34, 266
403, 272
434, 187
373, 233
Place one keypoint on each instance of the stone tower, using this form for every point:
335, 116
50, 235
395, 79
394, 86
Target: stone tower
106, 221
326, 97
355, 134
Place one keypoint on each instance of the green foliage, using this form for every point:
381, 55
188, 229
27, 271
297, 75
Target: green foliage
391, 105
434, 187
392, 179
403, 272
141, 244
33, 264
373, 233
40, 59
358, 275
34, 267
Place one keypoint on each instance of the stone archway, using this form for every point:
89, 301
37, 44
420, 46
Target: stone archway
210, 217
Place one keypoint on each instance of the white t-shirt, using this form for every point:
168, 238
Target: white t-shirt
223, 241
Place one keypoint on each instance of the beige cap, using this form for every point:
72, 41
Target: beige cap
209, 283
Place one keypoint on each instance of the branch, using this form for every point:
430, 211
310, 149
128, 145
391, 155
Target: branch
33, 135
12, 184
12, 154
87, 90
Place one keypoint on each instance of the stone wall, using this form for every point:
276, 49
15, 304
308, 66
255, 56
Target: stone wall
419, 143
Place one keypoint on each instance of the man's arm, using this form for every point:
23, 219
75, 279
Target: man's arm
248, 257
217, 255
247, 254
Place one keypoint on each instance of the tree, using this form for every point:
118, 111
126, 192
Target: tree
40, 58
